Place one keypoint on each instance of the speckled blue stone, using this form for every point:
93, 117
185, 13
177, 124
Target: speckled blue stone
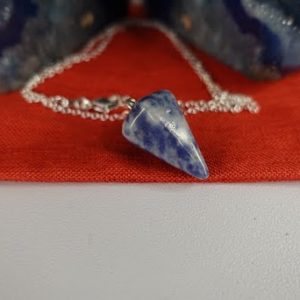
157, 125
36, 33
260, 38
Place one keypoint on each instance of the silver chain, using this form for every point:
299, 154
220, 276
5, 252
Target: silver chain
105, 108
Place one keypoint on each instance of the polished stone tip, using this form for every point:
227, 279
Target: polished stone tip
157, 125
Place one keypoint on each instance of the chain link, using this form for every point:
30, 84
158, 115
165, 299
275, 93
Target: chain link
116, 107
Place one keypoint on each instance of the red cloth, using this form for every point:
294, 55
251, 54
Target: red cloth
39, 145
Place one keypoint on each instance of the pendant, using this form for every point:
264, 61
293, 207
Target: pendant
157, 125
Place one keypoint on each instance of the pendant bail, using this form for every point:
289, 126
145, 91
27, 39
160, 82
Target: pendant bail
130, 103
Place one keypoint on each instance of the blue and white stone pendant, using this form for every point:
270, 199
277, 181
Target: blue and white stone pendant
157, 125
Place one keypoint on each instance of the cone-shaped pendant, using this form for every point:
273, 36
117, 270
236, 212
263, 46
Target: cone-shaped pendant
157, 125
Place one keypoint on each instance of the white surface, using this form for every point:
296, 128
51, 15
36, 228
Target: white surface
149, 242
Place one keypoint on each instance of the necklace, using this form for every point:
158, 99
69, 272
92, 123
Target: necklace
155, 123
